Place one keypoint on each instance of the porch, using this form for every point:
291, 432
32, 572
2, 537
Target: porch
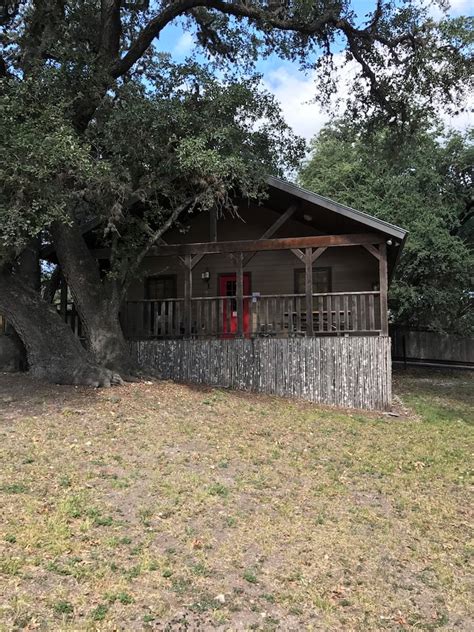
241, 311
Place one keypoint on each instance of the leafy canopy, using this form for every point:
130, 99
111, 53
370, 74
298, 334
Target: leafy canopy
406, 62
424, 183
153, 151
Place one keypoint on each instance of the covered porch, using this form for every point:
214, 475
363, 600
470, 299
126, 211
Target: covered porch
242, 311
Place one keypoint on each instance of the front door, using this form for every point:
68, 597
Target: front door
228, 287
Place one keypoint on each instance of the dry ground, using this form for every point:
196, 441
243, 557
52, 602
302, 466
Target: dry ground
164, 507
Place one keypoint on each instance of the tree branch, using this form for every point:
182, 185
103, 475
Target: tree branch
268, 17
154, 236
110, 29
235, 9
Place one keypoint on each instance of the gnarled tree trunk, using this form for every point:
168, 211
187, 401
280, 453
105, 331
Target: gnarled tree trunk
97, 300
53, 352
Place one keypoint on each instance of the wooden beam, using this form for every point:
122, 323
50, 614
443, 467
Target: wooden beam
373, 250
273, 229
383, 281
239, 292
195, 260
309, 290
165, 243
317, 253
256, 245
212, 234
298, 253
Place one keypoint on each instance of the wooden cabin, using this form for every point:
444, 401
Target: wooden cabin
288, 297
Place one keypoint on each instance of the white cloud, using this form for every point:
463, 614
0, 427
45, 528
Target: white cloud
461, 121
455, 8
461, 7
296, 90
184, 44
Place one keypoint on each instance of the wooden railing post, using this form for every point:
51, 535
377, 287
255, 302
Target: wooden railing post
383, 282
239, 292
188, 290
309, 290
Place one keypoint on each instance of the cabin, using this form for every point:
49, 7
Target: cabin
287, 297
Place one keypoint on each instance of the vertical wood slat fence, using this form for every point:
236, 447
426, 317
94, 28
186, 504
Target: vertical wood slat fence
351, 372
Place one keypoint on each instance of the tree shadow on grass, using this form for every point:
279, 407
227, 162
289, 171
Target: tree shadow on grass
22, 395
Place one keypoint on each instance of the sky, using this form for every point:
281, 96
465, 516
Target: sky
294, 89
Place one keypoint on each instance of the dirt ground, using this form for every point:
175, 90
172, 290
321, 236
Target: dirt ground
158, 506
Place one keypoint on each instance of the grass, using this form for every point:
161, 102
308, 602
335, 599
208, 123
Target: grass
164, 505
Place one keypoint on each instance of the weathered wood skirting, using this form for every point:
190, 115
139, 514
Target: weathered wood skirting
353, 372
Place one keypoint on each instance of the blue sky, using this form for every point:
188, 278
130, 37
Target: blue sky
295, 89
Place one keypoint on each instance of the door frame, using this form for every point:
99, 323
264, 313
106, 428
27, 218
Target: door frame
234, 273
221, 274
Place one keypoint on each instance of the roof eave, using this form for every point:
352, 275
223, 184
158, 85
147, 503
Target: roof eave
377, 224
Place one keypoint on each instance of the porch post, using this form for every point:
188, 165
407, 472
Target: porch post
383, 283
239, 292
188, 288
309, 290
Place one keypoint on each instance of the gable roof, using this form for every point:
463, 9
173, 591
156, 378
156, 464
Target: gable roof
345, 211
333, 217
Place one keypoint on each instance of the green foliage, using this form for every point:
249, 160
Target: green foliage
100, 612
44, 166
423, 183
63, 607
187, 141
97, 124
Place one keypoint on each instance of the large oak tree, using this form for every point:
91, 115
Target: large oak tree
100, 128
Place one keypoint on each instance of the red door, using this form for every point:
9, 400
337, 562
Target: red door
228, 287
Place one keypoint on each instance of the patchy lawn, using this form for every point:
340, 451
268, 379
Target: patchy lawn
165, 507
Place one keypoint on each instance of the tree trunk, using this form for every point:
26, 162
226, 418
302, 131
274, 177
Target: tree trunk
97, 300
53, 352
28, 265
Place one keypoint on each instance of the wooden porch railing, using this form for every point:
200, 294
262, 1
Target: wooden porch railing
268, 315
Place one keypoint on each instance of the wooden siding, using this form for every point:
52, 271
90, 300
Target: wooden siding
352, 268
351, 372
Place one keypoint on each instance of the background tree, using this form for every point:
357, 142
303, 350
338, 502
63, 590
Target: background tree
423, 182
93, 67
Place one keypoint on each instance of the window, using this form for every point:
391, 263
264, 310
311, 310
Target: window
160, 287
321, 280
